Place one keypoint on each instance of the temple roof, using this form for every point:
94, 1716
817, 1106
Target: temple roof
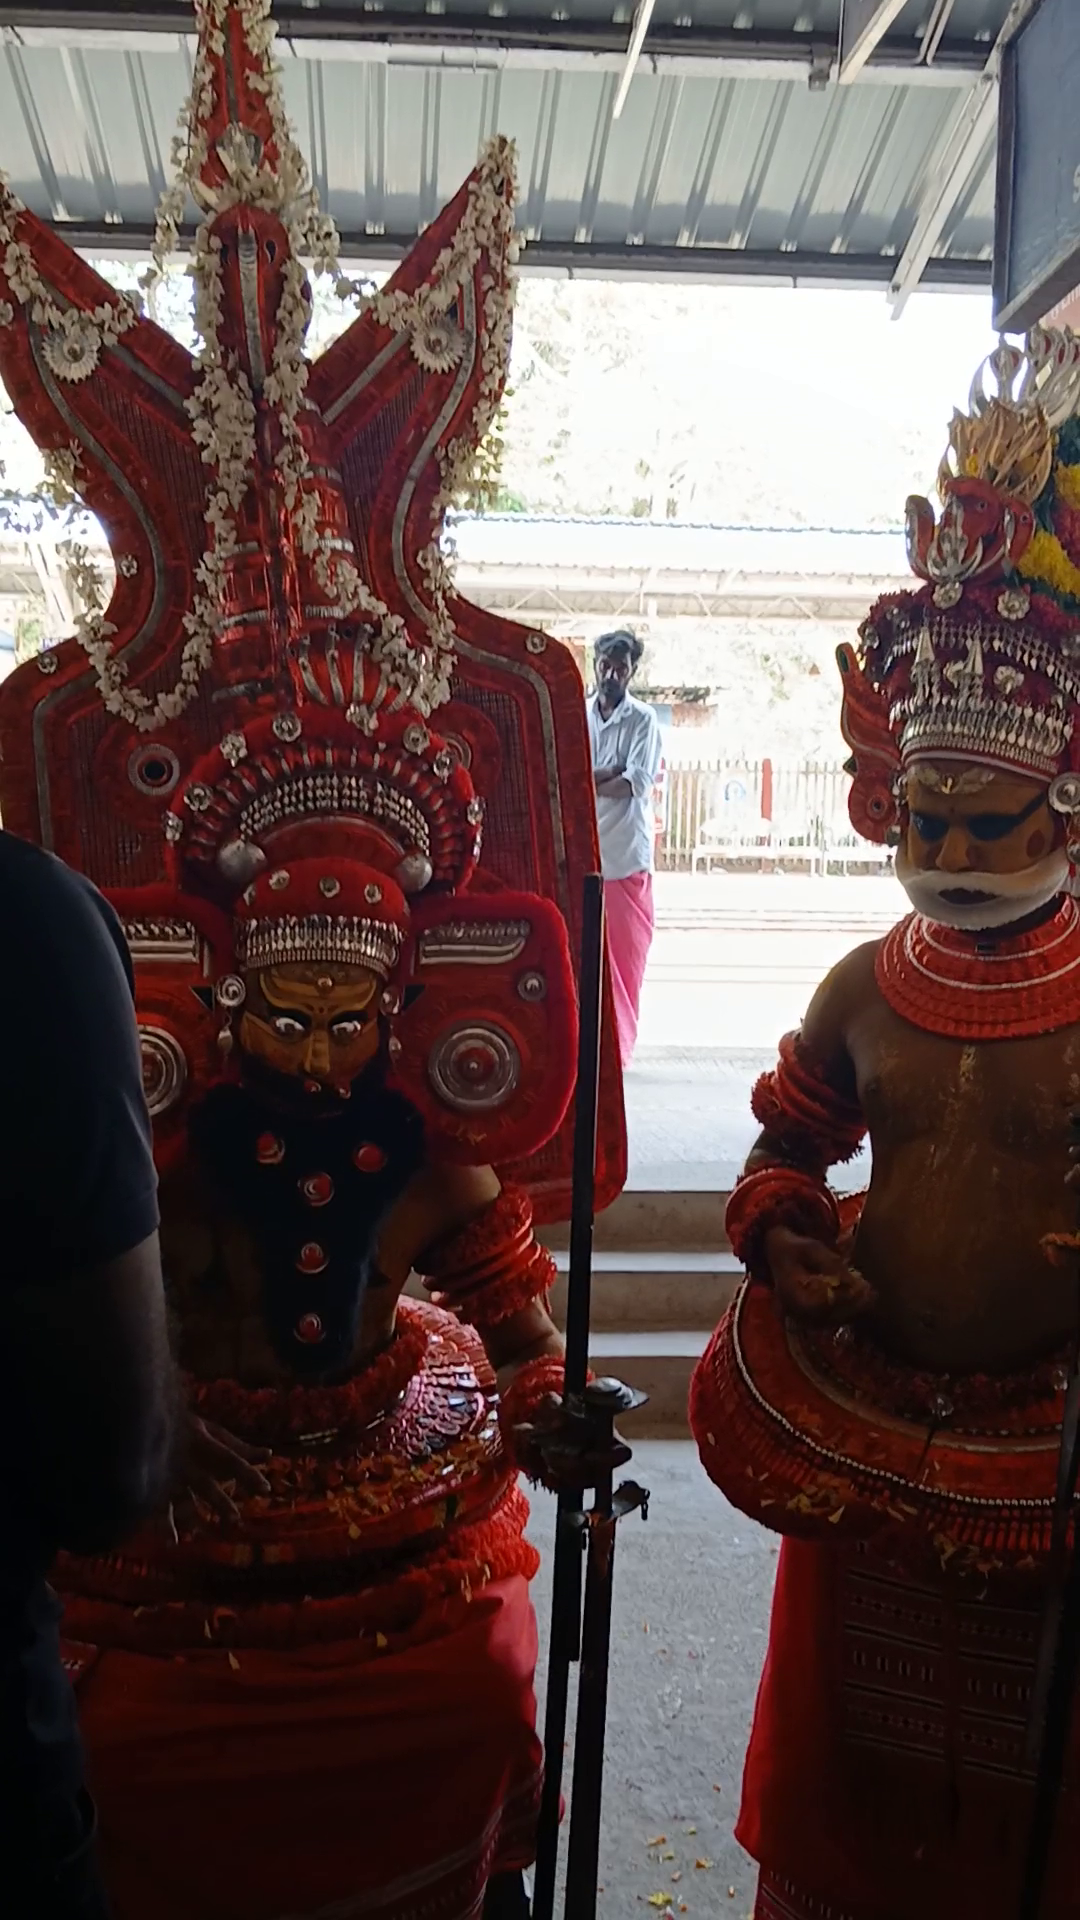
735, 152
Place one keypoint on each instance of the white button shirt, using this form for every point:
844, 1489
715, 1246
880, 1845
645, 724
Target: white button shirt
629, 741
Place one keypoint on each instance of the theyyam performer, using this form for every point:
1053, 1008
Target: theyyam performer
339, 813
887, 1389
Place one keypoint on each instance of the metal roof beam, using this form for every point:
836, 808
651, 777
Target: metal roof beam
971, 127
936, 28
875, 25
642, 21
605, 261
340, 32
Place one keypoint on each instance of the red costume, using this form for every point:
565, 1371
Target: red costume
885, 1777
287, 744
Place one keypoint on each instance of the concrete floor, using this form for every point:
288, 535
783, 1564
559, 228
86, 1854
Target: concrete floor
734, 963
692, 1592
689, 1122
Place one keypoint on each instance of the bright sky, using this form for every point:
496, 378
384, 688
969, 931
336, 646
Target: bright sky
771, 406
768, 406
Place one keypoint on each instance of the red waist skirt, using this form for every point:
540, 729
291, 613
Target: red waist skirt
315, 1783
884, 1778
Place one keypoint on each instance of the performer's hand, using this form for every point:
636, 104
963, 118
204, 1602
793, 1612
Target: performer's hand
813, 1281
215, 1467
559, 1448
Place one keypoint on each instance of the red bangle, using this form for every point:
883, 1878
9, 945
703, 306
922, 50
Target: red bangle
494, 1267
777, 1197
530, 1387
798, 1108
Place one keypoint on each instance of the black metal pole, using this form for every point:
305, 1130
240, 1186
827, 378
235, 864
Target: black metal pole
565, 1640
590, 987
605, 1399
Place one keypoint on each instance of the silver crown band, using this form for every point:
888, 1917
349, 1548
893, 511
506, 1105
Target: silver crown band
970, 696
326, 793
312, 937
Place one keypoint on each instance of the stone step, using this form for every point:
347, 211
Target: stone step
640, 1220
652, 1289
656, 1363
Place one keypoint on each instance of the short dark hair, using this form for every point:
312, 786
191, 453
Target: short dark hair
619, 637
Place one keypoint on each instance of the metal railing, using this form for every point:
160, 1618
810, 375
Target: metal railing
759, 816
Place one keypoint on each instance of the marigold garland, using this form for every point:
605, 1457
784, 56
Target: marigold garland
1047, 562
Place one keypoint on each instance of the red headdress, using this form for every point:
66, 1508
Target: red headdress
982, 662
284, 681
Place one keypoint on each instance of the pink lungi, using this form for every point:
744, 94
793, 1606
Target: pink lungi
628, 905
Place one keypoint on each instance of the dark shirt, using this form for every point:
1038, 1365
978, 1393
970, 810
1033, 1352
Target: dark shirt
77, 1188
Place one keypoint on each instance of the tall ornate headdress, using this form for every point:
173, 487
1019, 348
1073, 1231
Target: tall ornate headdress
284, 682
982, 662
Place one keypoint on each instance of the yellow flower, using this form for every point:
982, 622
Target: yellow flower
1047, 564
1067, 485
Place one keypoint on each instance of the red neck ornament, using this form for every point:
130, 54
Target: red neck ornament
977, 987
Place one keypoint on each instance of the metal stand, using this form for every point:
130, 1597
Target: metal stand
591, 1411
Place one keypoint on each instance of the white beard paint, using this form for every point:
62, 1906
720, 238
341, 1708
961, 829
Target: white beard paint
1012, 896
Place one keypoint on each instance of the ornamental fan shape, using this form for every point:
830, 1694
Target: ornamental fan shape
284, 679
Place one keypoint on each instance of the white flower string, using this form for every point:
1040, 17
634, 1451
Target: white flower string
222, 406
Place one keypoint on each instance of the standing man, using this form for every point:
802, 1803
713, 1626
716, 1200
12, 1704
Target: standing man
625, 740
85, 1427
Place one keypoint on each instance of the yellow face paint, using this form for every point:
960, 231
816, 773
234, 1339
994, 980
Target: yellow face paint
315, 1022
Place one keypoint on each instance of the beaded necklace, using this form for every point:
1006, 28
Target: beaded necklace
980, 986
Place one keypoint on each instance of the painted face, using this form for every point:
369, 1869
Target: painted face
317, 1023
966, 820
983, 848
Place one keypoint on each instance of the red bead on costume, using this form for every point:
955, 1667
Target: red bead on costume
311, 1258
309, 1329
368, 1158
269, 1150
971, 987
317, 1189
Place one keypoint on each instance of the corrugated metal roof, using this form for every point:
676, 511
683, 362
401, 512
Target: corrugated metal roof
516, 540
713, 166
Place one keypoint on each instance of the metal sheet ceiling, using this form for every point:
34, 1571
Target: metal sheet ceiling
717, 165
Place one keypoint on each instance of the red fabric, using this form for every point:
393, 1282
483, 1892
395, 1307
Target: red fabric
293, 1784
628, 906
780, 1899
882, 1780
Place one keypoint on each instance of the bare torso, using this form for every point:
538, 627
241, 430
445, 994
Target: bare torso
212, 1268
970, 1152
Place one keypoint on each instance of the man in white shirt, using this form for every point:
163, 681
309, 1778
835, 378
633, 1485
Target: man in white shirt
625, 740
